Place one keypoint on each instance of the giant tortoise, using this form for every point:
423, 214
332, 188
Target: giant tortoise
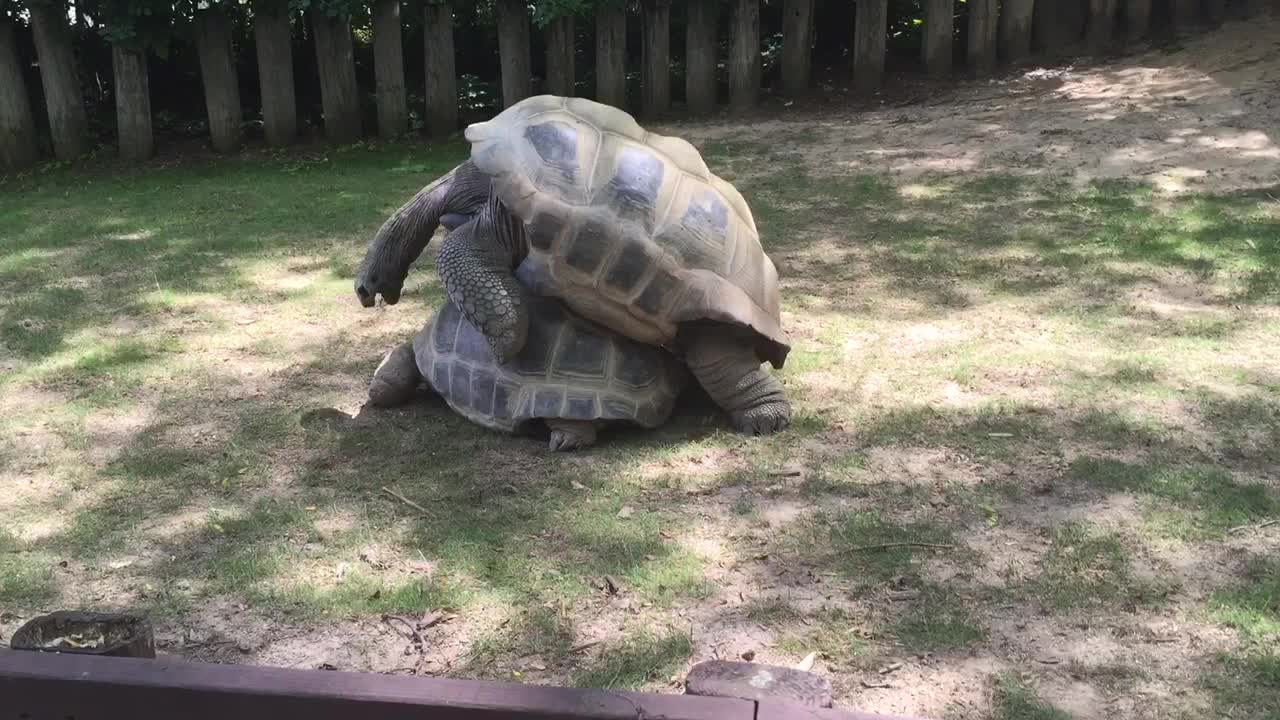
629, 228
571, 376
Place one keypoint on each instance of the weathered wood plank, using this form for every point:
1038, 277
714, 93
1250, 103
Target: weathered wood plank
88, 688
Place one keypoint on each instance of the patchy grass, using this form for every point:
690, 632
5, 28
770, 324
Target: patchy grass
1253, 606
639, 659
938, 621
1087, 567
1014, 699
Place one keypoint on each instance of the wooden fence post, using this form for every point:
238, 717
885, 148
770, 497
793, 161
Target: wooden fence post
388, 67
513, 50
869, 37
983, 26
1137, 18
744, 55
700, 56
611, 54
1102, 21
275, 72
939, 28
797, 45
17, 122
560, 55
218, 76
1015, 29
655, 66
441, 69
133, 103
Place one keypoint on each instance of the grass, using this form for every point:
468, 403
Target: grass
184, 366
1087, 567
1014, 699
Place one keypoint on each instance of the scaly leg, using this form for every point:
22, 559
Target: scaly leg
732, 375
396, 377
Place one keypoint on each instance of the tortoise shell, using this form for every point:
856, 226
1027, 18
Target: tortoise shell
569, 369
629, 228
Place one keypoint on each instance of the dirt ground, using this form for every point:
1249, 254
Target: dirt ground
1203, 117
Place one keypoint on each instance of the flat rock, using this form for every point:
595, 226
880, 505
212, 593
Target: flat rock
753, 681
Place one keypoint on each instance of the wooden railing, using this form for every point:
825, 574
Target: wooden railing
52, 686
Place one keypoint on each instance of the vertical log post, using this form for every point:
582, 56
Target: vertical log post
1101, 25
68, 120
744, 55
218, 75
441, 69
983, 26
797, 45
513, 50
1186, 13
133, 103
869, 37
271, 38
611, 54
936, 49
560, 56
655, 66
700, 56
1137, 19
335, 61
388, 69
1015, 29
17, 123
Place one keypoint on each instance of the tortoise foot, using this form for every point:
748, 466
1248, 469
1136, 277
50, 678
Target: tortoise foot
765, 419
396, 378
569, 435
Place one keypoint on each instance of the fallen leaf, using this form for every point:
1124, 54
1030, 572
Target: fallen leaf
873, 685
626, 511
889, 668
609, 585
537, 666
577, 485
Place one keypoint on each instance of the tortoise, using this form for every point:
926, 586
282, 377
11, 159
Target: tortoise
629, 228
571, 375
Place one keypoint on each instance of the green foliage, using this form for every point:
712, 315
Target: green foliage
138, 23
544, 11
331, 8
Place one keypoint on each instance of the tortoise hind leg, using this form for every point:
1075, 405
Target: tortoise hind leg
396, 378
571, 434
728, 369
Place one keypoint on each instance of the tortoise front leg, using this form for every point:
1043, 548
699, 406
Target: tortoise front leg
476, 272
571, 434
732, 375
396, 378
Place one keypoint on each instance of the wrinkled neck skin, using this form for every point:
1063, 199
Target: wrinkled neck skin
403, 237
507, 235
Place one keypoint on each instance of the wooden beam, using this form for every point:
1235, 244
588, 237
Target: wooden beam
40, 685
870, 35
984, 19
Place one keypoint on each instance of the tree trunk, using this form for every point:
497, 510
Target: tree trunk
275, 73
1015, 29
561, 79
1137, 18
1186, 13
513, 50
388, 68
68, 121
939, 30
335, 60
655, 79
218, 74
869, 36
133, 103
700, 56
744, 55
17, 124
611, 54
1102, 22
797, 45
441, 70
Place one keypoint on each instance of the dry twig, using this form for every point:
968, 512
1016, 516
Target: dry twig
886, 546
406, 501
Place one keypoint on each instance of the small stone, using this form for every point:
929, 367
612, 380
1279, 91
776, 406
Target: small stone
749, 655
626, 512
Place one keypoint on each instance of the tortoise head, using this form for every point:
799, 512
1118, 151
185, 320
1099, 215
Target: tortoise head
400, 241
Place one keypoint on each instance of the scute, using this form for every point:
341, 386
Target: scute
569, 368
634, 185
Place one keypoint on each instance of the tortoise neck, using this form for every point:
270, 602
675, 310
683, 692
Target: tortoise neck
508, 231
